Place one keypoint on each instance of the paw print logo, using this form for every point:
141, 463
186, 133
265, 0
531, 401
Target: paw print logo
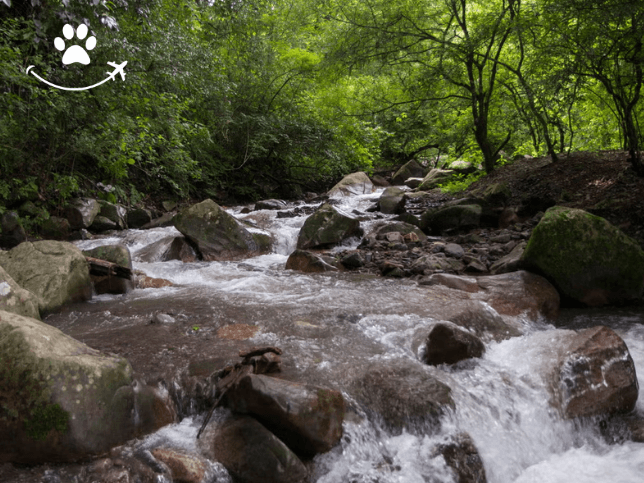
75, 53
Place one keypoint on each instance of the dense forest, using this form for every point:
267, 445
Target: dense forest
248, 99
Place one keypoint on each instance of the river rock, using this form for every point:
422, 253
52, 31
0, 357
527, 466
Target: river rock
404, 395
352, 184
428, 264
353, 260
400, 227
81, 212
164, 220
481, 319
587, 259
451, 219
466, 284
307, 262
410, 169
511, 262
13, 233
434, 177
307, 418
463, 458
217, 234
270, 205
15, 299
102, 224
62, 400
138, 217
118, 254
143, 281
252, 454
56, 227
446, 343
55, 271
327, 226
392, 201
595, 375
115, 213
184, 468
168, 248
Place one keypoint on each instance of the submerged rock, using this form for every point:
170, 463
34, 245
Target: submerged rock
307, 418
327, 226
588, 259
252, 454
352, 184
403, 395
217, 234
56, 272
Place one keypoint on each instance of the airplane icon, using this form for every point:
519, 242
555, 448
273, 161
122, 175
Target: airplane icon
118, 69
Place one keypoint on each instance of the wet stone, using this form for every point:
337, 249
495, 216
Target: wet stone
446, 343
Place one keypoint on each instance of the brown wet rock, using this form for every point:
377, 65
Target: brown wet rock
184, 468
466, 284
307, 418
252, 454
149, 282
595, 375
446, 343
403, 395
307, 262
463, 458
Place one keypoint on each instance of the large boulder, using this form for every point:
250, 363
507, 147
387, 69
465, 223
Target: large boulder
81, 212
434, 177
61, 400
217, 235
586, 258
451, 219
327, 226
117, 214
252, 454
118, 254
403, 395
595, 374
307, 418
307, 262
55, 271
410, 169
352, 184
392, 201
14, 298
138, 217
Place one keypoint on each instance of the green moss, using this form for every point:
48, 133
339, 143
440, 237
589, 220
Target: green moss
46, 418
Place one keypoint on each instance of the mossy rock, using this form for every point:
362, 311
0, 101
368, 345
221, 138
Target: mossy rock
81, 212
217, 234
410, 169
451, 219
327, 226
352, 184
392, 201
55, 271
61, 400
56, 227
434, 177
586, 258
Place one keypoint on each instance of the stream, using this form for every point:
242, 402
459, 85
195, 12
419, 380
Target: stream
331, 325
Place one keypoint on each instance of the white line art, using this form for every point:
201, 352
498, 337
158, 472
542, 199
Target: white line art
118, 69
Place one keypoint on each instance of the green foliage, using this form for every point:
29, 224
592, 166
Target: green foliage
460, 182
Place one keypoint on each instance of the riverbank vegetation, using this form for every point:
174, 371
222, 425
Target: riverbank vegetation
235, 99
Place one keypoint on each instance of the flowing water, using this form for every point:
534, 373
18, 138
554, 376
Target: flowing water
330, 325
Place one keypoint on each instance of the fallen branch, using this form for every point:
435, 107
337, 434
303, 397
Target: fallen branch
103, 268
